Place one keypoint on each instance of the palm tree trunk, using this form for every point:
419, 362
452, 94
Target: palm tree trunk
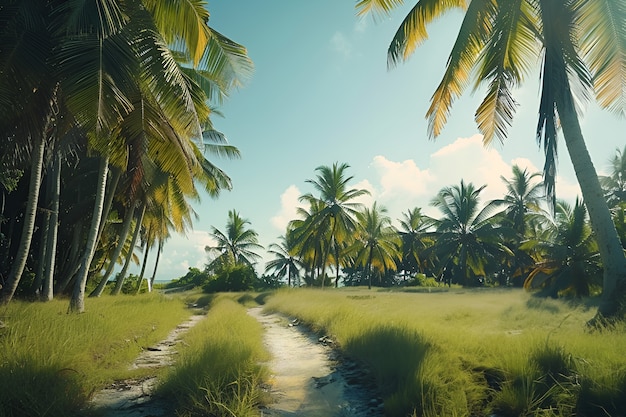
156, 265
143, 266
368, 269
122, 275
53, 229
29, 222
611, 251
77, 302
128, 221
36, 288
116, 174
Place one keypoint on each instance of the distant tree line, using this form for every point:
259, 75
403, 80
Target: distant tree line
511, 241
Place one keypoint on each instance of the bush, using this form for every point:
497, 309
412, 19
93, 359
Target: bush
194, 277
232, 278
421, 280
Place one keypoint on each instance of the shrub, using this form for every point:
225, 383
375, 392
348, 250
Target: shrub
232, 278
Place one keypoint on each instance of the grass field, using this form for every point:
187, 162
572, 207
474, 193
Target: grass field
51, 361
500, 353
472, 353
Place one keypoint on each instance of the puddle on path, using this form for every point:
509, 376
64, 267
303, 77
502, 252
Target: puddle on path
308, 380
133, 397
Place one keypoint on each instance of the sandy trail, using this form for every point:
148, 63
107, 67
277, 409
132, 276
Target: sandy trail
133, 397
307, 379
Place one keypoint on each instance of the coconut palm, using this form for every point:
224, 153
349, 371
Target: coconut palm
522, 197
467, 238
568, 260
581, 45
285, 262
309, 241
413, 233
237, 245
338, 209
377, 244
614, 184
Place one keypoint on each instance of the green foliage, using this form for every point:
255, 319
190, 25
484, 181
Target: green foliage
52, 362
194, 277
232, 277
219, 375
421, 280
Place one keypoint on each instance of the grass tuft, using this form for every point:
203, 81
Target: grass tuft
218, 371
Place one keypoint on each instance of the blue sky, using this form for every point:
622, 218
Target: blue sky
321, 93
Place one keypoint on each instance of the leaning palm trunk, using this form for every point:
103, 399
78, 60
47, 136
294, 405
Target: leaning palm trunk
609, 245
77, 302
122, 275
128, 220
29, 223
156, 265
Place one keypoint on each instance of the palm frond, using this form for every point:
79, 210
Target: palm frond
382, 7
412, 31
463, 57
182, 22
603, 44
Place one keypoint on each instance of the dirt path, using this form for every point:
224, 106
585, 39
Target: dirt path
133, 397
308, 378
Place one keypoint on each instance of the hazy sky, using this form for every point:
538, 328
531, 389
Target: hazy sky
321, 93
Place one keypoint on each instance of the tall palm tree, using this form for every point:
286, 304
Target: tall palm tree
309, 241
567, 253
413, 233
285, 262
377, 244
521, 201
339, 208
236, 245
467, 237
581, 45
614, 184
522, 197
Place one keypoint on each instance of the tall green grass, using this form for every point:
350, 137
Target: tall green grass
52, 362
218, 371
472, 353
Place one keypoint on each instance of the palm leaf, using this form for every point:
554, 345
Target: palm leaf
603, 44
182, 23
412, 31
469, 42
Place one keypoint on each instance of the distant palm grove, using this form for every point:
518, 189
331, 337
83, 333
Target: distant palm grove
105, 116
509, 241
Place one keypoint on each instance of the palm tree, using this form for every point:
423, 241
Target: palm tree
466, 238
522, 197
237, 245
521, 200
285, 262
568, 258
309, 241
377, 244
338, 209
614, 184
413, 233
582, 47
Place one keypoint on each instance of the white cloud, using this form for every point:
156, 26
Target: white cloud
367, 199
341, 44
404, 185
289, 203
361, 25
180, 253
